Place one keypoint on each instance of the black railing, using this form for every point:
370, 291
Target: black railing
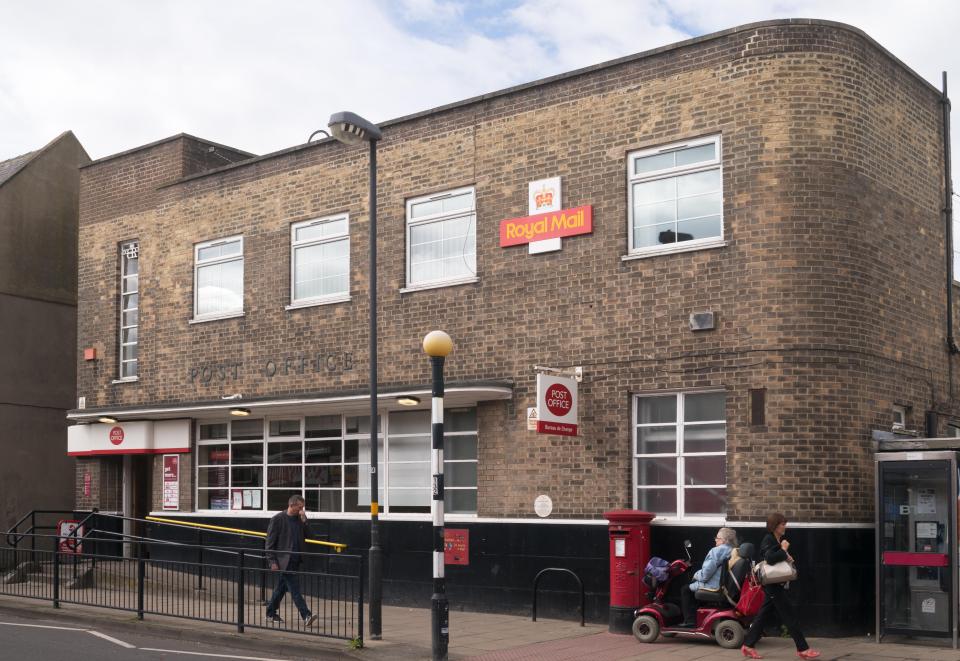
230, 588
536, 582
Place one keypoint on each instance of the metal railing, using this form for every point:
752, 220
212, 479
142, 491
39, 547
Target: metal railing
536, 582
153, 578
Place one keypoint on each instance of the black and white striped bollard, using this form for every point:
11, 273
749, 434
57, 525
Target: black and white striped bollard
438, 345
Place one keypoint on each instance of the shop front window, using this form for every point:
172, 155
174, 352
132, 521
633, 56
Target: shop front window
259, 464
680, 462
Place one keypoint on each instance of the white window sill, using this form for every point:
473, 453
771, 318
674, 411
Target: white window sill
201, 320
297, 305
127, 379
438, 285
678, 248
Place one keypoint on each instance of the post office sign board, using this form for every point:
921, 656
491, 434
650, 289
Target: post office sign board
556, 405
136, 437
456, 546
548, 225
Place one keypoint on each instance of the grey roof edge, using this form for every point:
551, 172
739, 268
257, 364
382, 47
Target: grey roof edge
161, 141
580, 72
382, 391
34, 155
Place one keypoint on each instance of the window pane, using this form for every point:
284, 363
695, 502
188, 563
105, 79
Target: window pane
351, 450
351, 476
410, 422
698, 183
246, 476
698, 206
361, 424
212, 477
409, 475
656, 472
705, 438
130, 301
697, 154
657, 409
220, 288
247, 453
705, 407
129, 369
284, 476
410, 448
324, 229
322, 426
460, 501
652, 214
651, 192
325, 452
459, 474
213, 432
409, 500
132, 266
705, 501
285, 453
284, 428
213, 455
705, 470
656, 440
460, 420
654, 162
130, 318
323, 501
130, 284
461, 202
654, 235
277, 498
323, 476
460, 447
214, 499
702, 228
246, 430
426, 208
128, 335
662, 502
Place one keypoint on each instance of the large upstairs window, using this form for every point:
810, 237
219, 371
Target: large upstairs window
218, 278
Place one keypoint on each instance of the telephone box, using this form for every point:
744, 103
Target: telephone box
916, 518
629, 554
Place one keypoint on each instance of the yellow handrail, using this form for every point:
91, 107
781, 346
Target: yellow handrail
206, 526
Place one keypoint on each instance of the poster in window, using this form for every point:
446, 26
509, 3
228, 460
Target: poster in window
237, 499
255, 500
171, 481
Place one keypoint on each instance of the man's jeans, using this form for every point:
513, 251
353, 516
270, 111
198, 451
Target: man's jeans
288, 581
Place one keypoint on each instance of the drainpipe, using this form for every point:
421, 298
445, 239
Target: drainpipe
948, 217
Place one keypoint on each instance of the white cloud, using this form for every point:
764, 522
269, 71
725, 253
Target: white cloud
263, 75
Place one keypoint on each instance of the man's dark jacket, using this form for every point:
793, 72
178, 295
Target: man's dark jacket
280, 539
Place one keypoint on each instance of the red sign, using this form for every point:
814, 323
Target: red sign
69, 543
558, 399
558, 428
86, 484
116, 435
456, 546
171, 481
566, 222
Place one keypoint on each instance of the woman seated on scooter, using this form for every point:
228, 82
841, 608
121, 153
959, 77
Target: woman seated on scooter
708, 577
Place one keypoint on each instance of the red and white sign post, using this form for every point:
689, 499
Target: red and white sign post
69, 543
556, 405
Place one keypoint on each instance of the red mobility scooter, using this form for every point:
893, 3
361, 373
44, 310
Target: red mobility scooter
723, 615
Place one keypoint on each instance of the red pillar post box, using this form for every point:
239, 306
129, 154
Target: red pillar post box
629, 532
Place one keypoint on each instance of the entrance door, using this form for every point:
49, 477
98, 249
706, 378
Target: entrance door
916, 534
142, 493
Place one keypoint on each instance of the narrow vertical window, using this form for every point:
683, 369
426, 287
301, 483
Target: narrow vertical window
129, 309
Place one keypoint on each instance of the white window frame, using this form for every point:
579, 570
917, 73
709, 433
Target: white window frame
679, 455
634, 252
436, 218
198, 264
361, 437
129, 250
294, 244
899, 415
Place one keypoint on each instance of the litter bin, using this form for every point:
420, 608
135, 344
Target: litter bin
629, 532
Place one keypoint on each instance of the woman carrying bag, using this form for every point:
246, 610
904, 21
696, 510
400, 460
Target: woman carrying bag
774, 549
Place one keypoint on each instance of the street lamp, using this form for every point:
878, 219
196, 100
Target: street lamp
438, 346
351, 129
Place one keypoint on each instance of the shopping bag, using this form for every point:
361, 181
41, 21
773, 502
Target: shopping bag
751, 597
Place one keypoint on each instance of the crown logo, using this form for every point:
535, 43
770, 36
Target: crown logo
544, 197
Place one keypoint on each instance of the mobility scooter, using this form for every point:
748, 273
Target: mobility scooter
722, 615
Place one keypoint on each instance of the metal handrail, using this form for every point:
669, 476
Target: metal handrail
562, 571
14, 536
238, 531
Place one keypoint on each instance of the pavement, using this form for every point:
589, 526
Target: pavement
473, 637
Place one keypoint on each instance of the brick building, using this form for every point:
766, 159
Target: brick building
786, 176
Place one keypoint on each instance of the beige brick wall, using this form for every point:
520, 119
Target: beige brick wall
829, 292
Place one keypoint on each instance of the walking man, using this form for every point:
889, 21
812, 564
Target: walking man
286, 539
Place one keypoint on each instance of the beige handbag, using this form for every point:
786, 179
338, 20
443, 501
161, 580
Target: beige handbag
781, 572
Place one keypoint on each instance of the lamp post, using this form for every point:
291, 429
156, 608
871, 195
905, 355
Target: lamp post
351, 129
438, 345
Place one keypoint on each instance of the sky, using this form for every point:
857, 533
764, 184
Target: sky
263, 75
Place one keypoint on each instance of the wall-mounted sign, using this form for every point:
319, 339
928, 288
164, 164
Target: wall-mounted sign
140, 437
532, 418
171, 481
456, 546
543, 506
556, 405
550, 225
543, 196
68, 542
335, 361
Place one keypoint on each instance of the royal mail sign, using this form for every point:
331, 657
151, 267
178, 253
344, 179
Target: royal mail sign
135, 437
549, 225
556, 405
